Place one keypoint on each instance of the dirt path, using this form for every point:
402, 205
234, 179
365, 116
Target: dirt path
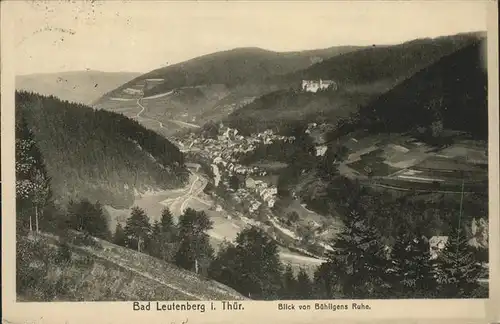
178, 122
160, 95
181, 123
142, 109
179, 204
301, 258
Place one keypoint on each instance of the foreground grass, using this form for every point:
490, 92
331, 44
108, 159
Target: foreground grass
50, 270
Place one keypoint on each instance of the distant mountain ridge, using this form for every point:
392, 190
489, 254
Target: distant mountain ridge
215, 86
388, 64
208, 87
75, 86
362, 76
232, 67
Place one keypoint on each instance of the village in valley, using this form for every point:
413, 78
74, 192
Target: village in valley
224, 151
393, 163
239, 167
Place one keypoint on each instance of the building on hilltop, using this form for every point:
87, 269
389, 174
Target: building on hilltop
314, 85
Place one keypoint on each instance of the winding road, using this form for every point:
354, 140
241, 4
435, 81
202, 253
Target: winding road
179, 204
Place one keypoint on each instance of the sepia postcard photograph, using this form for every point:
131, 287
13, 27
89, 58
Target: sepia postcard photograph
202, 157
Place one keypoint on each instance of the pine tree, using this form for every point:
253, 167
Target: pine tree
137, 229
259, 265
289, 284
225, 266
88, 218
358, 260
304, 285
119, 238
195, 252
412, 270
98, 225
167, 226
162, 243
458, 271
155, 240
251, 266
326, 283
167, 234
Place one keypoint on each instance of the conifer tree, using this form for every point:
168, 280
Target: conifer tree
225, 266
167, 236
195, 252
289, 289
167, 225
304, 285
162, 244
88, 218
154, 248
458, 271
259, 265
326, 283
119, 238
251, 266
412, 270
137, 229
358, 260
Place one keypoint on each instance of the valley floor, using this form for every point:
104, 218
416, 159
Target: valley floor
226, 226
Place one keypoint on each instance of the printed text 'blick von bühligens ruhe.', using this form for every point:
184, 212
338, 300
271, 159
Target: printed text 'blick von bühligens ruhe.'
239, 306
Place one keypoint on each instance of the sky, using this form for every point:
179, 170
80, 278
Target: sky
139, 36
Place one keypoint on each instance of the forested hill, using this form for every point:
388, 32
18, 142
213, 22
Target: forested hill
362, 76
381, 67
450, 94
232, 67
96, 154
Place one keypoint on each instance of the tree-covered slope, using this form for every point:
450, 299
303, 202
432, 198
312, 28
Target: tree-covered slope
451, 94
97, 154
383, 66
362, 76
232, 67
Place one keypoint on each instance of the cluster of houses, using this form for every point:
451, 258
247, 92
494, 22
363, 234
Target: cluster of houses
229, 147
257, 195
266, 192
225, 152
